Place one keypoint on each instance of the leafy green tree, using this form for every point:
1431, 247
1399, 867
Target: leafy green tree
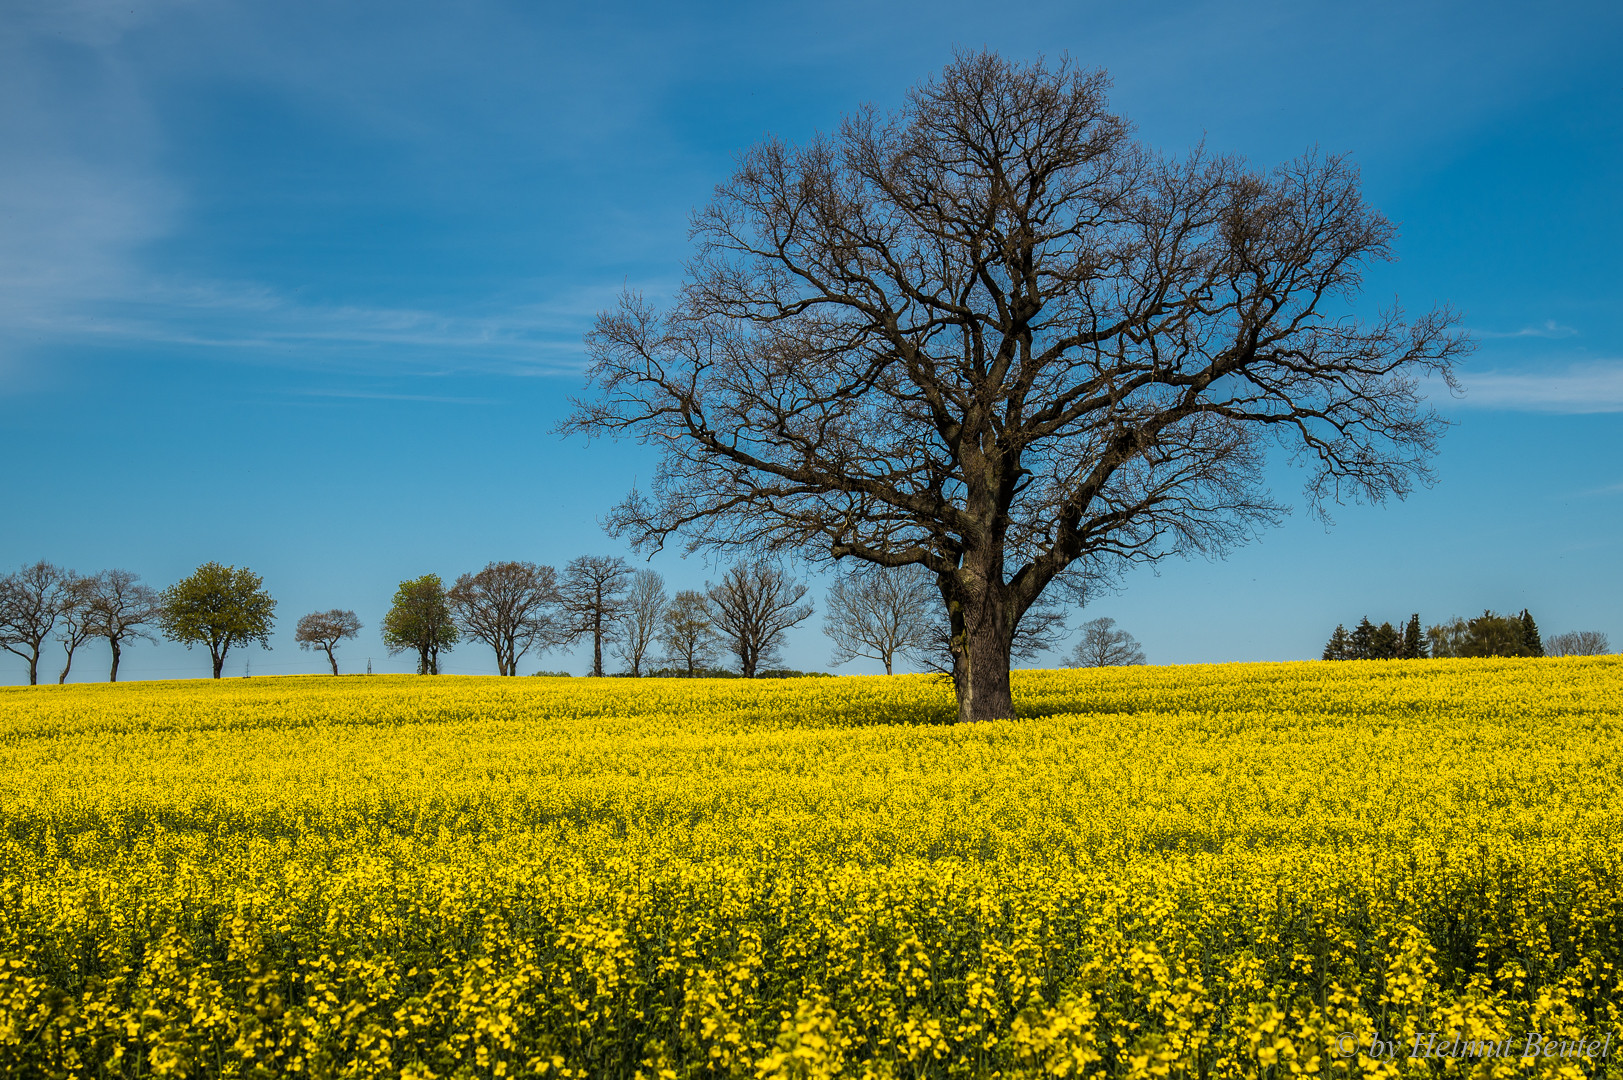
1340, 646
218, 606
1414, 641
1385, 644
1530, 638
1448, 639
1494, 635
420, 621
688, 632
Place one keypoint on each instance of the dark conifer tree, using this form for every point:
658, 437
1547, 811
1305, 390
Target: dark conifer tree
1530, 636
1385, 644
1414, 641
1339, 646
1363, 640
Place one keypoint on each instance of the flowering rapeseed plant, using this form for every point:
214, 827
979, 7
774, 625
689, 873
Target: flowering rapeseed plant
1214, 871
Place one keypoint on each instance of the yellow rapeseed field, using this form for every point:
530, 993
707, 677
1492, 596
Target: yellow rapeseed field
1240, 870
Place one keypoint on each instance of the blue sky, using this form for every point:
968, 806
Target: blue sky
301, 286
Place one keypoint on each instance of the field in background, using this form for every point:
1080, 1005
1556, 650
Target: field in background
1155, 871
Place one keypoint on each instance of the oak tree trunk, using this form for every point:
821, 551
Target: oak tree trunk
112, 676
982, 625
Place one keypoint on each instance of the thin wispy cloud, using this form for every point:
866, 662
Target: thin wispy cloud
1577, 389
1549, 330
377, 395
255, 324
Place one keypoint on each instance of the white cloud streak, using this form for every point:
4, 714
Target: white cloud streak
1549, 330
253, 324
1578, 389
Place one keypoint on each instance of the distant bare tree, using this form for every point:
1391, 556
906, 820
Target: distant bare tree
880, 613
31, 602
592, 596
687, 631
121, 610
1577, 643
510, 606
755, 603
76, 623
1041, 628
641, 618
992, 334
325, 629
1103, 644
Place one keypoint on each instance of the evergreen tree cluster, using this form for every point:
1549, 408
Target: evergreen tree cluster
1487, 635
1370, 642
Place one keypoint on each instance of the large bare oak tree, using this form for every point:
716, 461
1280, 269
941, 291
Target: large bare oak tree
992, 335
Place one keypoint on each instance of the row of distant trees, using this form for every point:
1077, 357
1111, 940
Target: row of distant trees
887, 615
521, 609
515, 608
1488, 634
217, 606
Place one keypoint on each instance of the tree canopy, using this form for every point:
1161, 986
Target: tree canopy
1104, 644
219, 607
420, 621
881, 613
325, 629
508, 606
992, 335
